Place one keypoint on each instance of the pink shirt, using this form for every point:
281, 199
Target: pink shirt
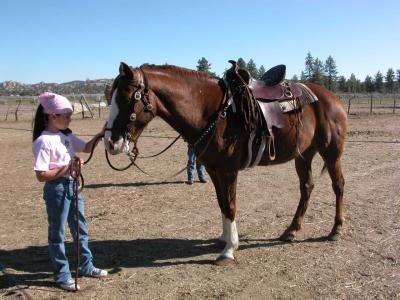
55, 150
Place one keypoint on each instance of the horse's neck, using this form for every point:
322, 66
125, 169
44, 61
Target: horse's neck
187, 103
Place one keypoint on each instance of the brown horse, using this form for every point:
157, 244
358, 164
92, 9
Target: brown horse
195, 105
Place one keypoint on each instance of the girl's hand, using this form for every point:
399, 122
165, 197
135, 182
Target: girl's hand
75, 165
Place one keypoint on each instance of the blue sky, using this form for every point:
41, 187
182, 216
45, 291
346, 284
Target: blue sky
59, 41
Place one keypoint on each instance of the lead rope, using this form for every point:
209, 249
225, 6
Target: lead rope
75, 175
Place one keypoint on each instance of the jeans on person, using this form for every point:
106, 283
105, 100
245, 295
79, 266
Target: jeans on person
190, 166
60, 205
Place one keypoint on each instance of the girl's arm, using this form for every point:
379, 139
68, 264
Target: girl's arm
52, 174
95, 140
93, 143
74, 165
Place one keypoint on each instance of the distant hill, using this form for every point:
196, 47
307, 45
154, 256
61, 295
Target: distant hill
97, 86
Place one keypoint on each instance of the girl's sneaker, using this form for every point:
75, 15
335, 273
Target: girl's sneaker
98, 273
69, 285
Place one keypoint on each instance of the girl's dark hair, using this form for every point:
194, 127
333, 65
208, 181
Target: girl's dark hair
40, 123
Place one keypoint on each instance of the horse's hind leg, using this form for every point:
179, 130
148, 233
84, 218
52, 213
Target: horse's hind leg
335, 172
303, 169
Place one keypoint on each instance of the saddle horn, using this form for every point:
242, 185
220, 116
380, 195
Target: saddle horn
234, 65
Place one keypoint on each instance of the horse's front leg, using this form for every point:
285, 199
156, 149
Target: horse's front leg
225, 185
223, 238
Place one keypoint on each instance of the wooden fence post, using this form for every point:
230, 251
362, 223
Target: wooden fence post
16, 110
99, 100
87, 105
8, 109
370, 109
83, 111
348, 108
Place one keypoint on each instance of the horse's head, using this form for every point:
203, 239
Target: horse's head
131, 109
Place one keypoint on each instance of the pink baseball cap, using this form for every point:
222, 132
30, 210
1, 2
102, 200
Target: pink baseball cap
55, 104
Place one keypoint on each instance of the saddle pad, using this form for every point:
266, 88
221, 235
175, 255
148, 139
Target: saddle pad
306, 97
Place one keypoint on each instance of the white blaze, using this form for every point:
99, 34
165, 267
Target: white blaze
117, 146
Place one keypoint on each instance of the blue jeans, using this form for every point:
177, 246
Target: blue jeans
190, 165
60, 206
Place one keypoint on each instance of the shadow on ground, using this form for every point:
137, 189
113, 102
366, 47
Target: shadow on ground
32, 265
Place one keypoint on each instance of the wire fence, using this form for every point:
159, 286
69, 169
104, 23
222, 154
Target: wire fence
370, 103
17, 108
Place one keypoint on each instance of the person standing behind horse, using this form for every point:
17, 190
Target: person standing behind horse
190, 167
54, 147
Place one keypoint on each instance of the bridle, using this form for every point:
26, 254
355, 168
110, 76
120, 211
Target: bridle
141, 94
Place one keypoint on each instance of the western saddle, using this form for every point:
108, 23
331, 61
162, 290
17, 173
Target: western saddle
266, 100
272, 85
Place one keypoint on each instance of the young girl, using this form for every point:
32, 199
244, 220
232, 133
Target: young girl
53, 147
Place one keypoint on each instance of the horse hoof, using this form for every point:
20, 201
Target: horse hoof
224, 261
287, 237
334, 237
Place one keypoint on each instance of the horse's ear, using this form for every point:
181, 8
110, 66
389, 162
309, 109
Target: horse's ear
125, 70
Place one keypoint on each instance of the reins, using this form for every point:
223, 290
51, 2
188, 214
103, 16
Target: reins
76, 175
213, 126
132, 157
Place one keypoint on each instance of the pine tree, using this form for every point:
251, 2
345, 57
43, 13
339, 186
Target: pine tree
309, 67
295, 78
398, 78
241, 63
318, 72
252, 68
379, 82
203, 65
331, 73
352, 83
303, 76
389, 78
261, 71
369, 84
342, 84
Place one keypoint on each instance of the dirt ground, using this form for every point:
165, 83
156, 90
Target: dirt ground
156, 237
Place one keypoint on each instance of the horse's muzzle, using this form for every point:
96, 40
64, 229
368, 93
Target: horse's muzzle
112, 147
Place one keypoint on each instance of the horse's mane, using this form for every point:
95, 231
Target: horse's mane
184, 72
180, 71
